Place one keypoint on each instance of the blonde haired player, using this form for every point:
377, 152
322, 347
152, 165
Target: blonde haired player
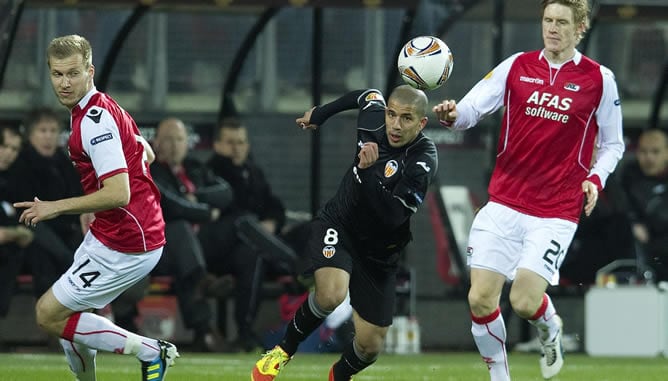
557, 103
126, 237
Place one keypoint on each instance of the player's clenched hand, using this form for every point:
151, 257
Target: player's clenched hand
368, 155
305, 121
446, 111
591, 192
36, 211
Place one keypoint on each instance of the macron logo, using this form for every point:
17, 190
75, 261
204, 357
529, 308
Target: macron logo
526, 79
101, 138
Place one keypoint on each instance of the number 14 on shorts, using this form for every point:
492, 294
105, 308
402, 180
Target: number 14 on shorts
86, 277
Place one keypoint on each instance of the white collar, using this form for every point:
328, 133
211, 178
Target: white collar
577, 57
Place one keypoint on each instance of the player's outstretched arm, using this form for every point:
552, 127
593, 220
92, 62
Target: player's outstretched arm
305, 121
446, 112
318, 115
115, 192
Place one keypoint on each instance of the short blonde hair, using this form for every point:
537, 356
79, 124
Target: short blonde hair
580, 10
66, 46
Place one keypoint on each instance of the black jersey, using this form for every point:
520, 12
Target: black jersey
375, 204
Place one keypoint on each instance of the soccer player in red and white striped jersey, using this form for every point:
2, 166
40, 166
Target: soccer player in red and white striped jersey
125, 239
558, 104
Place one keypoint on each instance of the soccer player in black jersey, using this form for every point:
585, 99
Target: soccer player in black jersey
356, 238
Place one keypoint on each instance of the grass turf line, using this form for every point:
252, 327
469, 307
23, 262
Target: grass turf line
448, 366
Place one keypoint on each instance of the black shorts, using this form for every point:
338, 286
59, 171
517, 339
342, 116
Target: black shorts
373, 273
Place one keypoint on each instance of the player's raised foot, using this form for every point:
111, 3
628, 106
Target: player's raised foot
271, 363
552, 353
157, 369
331, 374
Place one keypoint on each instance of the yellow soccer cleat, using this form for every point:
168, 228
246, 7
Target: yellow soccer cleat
157, 369
268, 367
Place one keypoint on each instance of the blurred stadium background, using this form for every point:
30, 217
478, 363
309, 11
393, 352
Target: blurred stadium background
269, 61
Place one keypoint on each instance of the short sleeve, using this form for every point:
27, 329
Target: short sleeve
101, 141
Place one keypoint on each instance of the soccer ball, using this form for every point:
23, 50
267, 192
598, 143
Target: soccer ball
425, 62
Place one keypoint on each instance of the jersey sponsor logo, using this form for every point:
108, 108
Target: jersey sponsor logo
101, 138
546, 104
391, 168
526, 79
572, 86
424, 166
95, 113
328, 251
550, 100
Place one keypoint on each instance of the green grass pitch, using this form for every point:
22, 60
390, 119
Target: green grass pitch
448, 366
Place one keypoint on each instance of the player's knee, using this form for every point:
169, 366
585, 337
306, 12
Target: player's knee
369, 346
42, 316
329, 299
523, 305
481, 305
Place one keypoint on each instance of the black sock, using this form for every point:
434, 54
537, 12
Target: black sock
308, 317
350, 363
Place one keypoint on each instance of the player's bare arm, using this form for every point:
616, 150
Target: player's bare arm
115, 192
446, 111
591, 192
368, 155
305, 121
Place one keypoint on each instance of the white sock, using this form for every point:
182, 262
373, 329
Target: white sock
97, 332
81, 360
489, 333
543, 320
340, 315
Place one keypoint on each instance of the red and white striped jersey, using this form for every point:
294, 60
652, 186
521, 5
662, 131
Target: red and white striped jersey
103, 143
554, 116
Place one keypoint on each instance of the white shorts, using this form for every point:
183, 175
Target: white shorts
503, 240
99, 274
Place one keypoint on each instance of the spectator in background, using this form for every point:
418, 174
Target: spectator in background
13, 236
252, 193
645, 182
192, 198
47, 173
601, 238
255, 202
